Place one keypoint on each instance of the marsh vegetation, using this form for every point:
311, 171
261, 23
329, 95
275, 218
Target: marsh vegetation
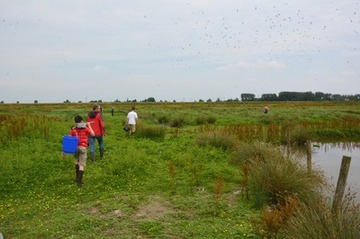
192, 170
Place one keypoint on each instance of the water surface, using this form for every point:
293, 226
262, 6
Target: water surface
328, 157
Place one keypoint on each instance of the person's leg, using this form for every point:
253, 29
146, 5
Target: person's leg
132, 129
76, 156
82, 164
101, 145
76, 171
92, 148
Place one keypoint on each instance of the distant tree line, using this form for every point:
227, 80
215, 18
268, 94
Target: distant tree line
300, 96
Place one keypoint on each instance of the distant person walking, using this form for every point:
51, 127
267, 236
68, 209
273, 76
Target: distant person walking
98, 125
112, 111
132, 120
82, 131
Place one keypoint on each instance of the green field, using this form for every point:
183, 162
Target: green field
182, 175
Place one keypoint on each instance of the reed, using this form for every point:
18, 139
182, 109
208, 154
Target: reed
317, 220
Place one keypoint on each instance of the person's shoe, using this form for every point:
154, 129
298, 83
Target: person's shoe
92, 157
101, 153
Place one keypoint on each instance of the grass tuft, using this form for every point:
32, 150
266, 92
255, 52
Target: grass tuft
317, 220
216, 139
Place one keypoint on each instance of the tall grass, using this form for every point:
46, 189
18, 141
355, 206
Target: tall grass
25, 125
274, 178
216, 139
317, 220
150, 132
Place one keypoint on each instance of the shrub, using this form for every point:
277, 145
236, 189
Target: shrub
163, 119
216, 139
177, 122
211, 119
256, 151
205, 120
200, 120
151, 132
277, 178
299, 136
273, 177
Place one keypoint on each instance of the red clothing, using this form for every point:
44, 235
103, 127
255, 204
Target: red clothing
82, 134
97, 123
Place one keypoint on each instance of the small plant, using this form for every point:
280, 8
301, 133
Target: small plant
273, 219
245, 179
172, 176
219, 189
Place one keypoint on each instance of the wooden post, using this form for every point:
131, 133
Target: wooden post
341, 183
308, 155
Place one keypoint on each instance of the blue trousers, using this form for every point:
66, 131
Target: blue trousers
92, 143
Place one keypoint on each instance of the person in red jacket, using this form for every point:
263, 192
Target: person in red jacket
98, 125
82, 131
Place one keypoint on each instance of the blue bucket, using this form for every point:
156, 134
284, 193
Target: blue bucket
69, 144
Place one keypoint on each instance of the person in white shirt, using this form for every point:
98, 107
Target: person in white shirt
132, 120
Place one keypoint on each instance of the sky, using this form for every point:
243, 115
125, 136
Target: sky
86, 50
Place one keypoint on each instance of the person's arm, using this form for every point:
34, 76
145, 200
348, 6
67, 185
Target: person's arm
90, 129
72, 131
102, 125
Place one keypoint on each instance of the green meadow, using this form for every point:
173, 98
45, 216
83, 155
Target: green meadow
192, 170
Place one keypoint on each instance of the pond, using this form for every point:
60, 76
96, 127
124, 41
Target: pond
327, 157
